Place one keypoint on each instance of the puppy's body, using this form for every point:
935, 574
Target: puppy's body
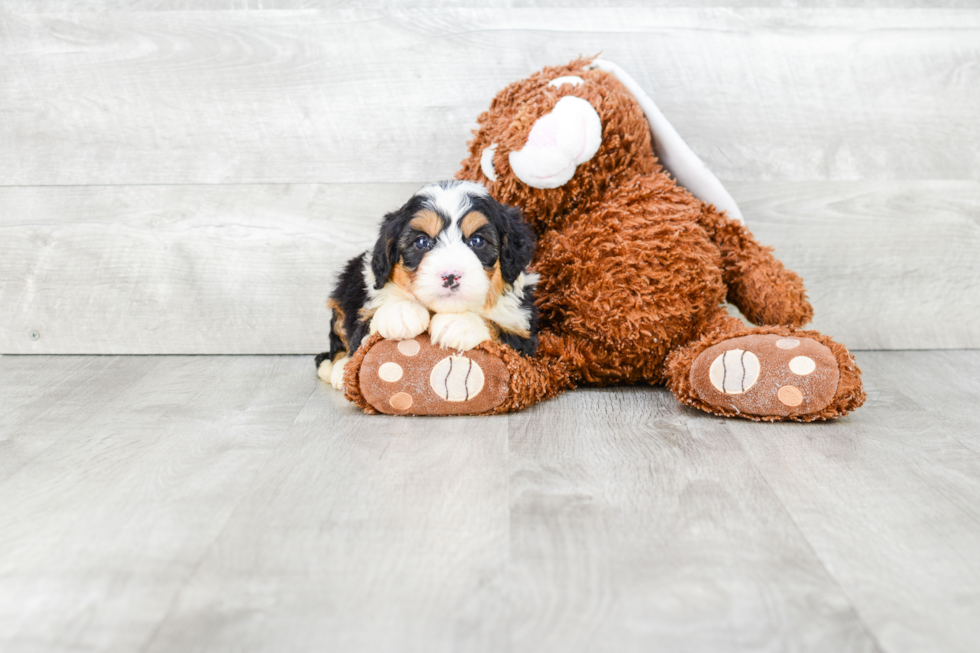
451, 261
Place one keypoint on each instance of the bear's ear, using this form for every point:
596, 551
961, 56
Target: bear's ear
385, 253
516, 242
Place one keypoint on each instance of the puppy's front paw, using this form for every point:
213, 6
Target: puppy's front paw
337, 373
400, 320
458, 331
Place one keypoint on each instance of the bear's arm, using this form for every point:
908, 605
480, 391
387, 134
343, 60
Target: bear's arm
759, 284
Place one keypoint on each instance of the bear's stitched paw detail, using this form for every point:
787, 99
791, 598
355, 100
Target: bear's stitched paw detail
767, 375
415, 377
458, 331
400, 320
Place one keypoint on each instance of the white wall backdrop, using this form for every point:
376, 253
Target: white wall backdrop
187, 177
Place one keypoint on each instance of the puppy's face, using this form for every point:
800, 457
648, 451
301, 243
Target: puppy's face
452, 247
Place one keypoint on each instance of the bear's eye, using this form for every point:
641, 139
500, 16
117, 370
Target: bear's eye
423, 242
574, 80
476, 242
486, 162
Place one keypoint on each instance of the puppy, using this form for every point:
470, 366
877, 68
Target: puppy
451, 261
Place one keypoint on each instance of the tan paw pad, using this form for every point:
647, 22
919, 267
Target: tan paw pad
390, 372
409, 347
790, 395
400, 401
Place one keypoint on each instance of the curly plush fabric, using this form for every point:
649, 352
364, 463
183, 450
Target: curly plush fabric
849, 394
634, 269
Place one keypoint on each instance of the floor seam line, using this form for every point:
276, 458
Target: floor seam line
231, 513
809, 545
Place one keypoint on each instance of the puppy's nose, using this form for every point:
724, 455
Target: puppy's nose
450, 279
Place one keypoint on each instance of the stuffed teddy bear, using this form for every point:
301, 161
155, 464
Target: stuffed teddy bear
635, 271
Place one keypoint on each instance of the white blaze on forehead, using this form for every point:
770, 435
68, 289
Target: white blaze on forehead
558, 143
452, 198
574, 80
451, 254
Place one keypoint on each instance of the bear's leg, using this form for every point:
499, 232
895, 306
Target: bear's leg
415, 377
765, 374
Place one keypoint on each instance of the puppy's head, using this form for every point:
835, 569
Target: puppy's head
452, 247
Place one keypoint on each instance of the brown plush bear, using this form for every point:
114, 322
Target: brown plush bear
634, 274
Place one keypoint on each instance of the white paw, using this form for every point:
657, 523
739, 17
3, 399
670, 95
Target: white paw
458, 331
324, 371
400, 320
337, 373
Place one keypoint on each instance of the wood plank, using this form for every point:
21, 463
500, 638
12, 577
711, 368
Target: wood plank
635, 527
101, 529
946, 388
247, 269
889, 497
179, 269
364, 534
361, 95
887, 265
61, 6
214, 504
46, 398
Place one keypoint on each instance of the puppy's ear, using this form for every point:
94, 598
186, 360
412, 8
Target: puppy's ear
385, 253
516, 243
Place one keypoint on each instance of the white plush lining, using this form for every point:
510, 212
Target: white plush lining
675, 155
486, 162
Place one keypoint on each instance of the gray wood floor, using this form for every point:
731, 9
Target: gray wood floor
236, 504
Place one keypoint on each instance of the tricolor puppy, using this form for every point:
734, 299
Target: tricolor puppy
451, 261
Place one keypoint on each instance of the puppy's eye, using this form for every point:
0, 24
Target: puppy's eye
423, 242
476, 242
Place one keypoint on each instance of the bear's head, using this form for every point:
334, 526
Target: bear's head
558, 139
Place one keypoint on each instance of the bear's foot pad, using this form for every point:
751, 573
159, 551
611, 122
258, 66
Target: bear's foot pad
415, 377
767, 375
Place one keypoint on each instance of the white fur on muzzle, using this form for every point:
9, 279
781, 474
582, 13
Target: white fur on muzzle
558, 143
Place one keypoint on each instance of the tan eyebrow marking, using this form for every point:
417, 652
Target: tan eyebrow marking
473, 221
427, 221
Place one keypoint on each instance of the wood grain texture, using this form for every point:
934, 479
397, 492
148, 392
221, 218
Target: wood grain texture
890, 505
99, 530
362, 95
216, 504
379, 534
887, 265
293, 5
247, 269
45, 399
182, 135
635, 530
179, 269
